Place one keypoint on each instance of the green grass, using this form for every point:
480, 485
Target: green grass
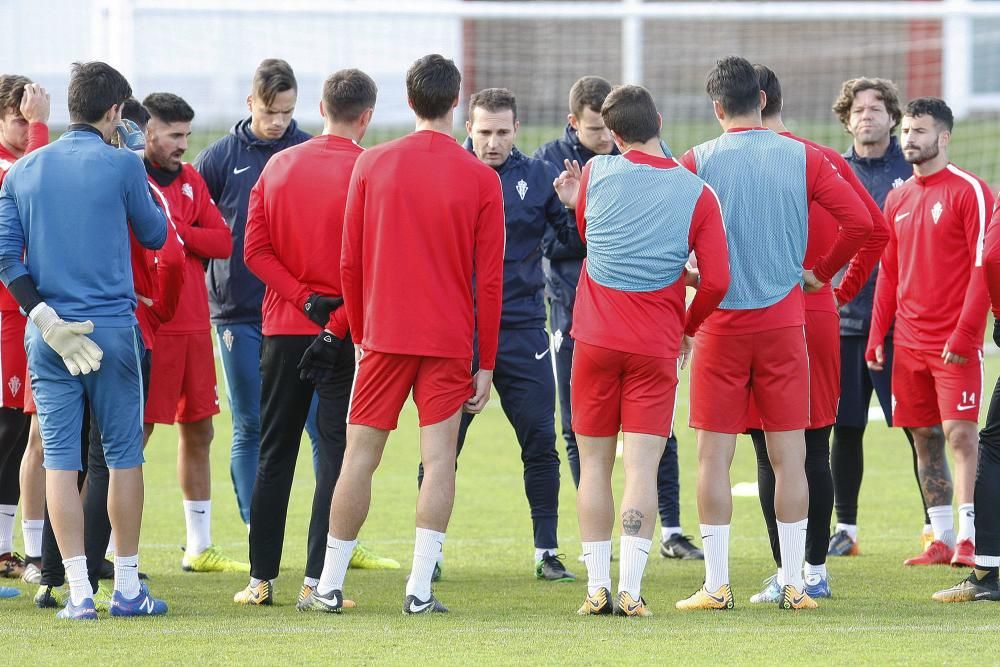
882, 613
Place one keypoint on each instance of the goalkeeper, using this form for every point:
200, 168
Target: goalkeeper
68, 208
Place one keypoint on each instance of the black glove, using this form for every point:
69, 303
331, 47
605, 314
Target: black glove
320, 358
318, 308
996, 332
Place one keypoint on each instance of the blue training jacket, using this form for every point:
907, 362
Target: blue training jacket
532, 211
68, 207
231, 167
879, 175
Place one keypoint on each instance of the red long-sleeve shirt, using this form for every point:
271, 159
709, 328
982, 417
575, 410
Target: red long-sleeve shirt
295, 229
205, 235
991, 259
38, 136
423, 215
823, 228
826, 188
656, 320
158, 276
931, 276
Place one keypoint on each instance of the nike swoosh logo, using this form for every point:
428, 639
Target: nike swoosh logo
5, 514
417, 608
539, 356
645, 552
960, 407
902, 215
633, 607
239, 171
705, 537
797, 601
198, 511
720, 599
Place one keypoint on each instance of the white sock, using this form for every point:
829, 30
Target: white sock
335, 562
111, 544
666, 532
311, 582
928, 529
850, 529
792, 540
715, 542
943, 524
781, 577
255, 582
987, 561
597, 558
541, 553
812, 571
198, 517
127, 575
32, 531
634, 553
967, 522
76, 576
426, 549
7, 513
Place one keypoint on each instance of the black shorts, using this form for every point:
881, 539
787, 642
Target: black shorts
857, 383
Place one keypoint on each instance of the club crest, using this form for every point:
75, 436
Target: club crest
936, 212
227, 339
522, 188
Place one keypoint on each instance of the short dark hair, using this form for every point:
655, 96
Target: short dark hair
589, 92
94, 88
733, 84
135, 112
493, 100
885, 89
347, 94
12, 91
432, 86
272, 76
168, 108
769, 83
934, 107
629, 112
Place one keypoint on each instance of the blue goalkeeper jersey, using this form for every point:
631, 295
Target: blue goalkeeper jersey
65, 214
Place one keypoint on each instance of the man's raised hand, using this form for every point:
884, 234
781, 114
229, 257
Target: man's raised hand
567, 184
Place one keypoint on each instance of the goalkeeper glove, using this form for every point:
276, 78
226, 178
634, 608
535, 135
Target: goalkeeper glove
318, 308
320, 358
128, 135
79, 353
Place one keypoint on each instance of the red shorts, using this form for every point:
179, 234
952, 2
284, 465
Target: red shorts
383, 381
13, 360
772, 367
926, 391
823, 345
182, 384
29, 397
612, 391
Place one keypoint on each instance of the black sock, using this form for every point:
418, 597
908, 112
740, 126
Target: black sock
848, 467
820, 494
765, 491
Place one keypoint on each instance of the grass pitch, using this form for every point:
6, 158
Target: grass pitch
881, 612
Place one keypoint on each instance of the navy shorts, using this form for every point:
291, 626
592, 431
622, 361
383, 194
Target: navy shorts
857, 383
114, 393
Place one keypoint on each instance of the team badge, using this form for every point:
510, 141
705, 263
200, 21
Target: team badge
522, 188
15, 385
896, 183
557, 339
227, 339
187, 191
936, 212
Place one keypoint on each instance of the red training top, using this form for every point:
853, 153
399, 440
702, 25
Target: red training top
159, 277
423, 215
991, 260
823, 229
931, 277
203, 230
656, 320
38, 136
295, 229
